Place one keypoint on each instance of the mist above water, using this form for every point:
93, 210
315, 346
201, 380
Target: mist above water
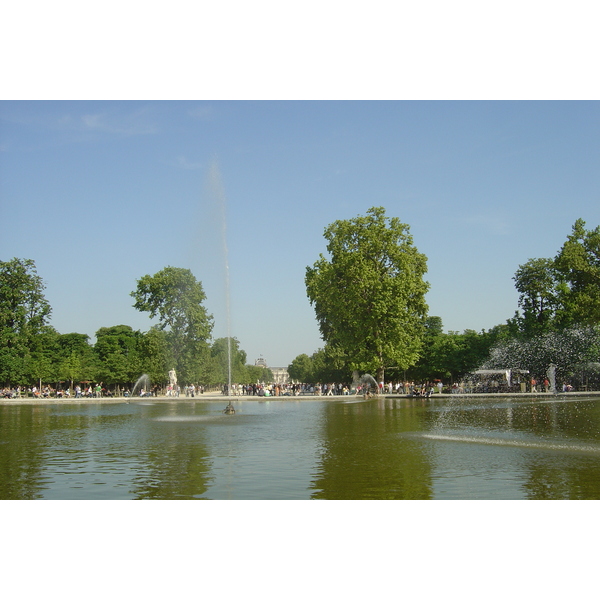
217, 193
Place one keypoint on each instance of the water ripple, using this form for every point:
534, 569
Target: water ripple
468, 439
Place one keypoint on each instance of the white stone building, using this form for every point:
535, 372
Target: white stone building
280, 374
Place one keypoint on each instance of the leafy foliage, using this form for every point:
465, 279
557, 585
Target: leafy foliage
327, 364
369, 297
257, 374
537, 284
175, 297
451, 355
561, 292
301, 369
24, 313
31, 350
219, 352
369, 301
118, 353
155, 356
578, 265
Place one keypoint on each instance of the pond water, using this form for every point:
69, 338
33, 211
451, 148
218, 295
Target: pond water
389, 448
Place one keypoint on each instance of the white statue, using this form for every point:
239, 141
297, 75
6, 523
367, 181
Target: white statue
173, 378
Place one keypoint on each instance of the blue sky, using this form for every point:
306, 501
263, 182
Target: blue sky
100, 193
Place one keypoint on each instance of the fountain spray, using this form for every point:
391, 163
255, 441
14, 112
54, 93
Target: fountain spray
217, 186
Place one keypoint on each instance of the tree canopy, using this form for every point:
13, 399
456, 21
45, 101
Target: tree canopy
301, 369
369, 300
31, 351
176, 298
561, 292
24, 314
117, 349
578, 267
369, 296
221, 351
537, 284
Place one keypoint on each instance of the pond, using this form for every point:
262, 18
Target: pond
346, 448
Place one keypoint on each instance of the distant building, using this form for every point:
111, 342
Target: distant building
280, 374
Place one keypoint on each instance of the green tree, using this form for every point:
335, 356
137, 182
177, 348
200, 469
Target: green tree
42, 364
537, 284
77, 343
76, 361
330, 365
425, 368
220, 352
452, 355
301, 369
433, 327
257, 373
369, 297
176, 298
155, 357
578, 265
117, 350
24, 312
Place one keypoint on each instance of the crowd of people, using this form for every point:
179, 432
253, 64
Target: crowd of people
98, 390
8, 392
331, 389
47, 391
260, 389
406, 388
35, 392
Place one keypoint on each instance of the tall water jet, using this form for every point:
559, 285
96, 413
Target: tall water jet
218, 191
551, 374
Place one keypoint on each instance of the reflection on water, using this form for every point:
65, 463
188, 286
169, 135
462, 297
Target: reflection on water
394, 448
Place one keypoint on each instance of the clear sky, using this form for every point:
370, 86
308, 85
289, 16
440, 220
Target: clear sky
100, 193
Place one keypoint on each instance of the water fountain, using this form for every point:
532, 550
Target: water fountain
551, 375
488, 381
219, 194
142, 384
561, 354
366, 382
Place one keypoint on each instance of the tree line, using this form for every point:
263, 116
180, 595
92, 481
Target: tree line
32, 351
369, 300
